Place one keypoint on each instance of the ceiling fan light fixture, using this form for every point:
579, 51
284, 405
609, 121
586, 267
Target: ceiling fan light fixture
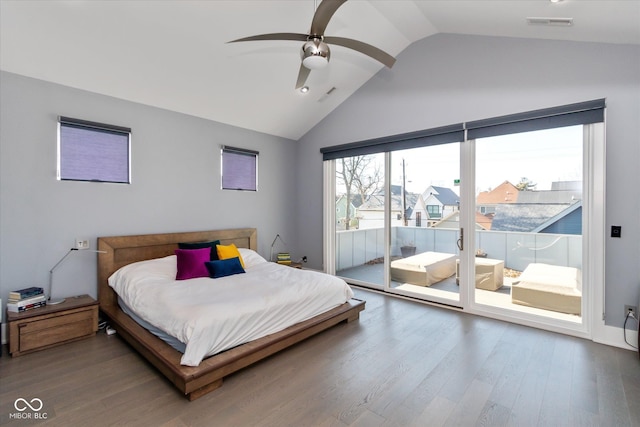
315, 54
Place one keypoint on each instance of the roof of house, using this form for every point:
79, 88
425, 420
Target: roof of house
566, 185
556, 218
356, 199
503, 193
550, 196
526, 217
485, 221
376, 202
446, 196
482, 221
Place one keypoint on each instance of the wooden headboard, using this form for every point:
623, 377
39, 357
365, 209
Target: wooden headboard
122, 250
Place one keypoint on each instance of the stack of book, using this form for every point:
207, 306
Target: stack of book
26, 299
284, 258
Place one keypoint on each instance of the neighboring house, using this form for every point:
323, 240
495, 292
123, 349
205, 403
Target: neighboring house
341, 213
422, 210
371, 212
483, 221
558, 210
419, 217
453, 221
566, 186
568, 221
439, 202
486, 201
539, 218
535, 208
550, 196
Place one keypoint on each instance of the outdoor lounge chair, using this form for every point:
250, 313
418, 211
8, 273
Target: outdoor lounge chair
549, 287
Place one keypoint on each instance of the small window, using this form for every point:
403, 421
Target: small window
89, 151
239, 169
433, 211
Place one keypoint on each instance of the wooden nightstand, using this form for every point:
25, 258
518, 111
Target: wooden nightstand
294, 265
76, 318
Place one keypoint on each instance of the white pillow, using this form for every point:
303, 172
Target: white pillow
251, 257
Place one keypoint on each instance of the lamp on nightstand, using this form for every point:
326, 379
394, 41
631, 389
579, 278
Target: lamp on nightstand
61, 300
273, 244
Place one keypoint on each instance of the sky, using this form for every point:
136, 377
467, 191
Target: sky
542, 157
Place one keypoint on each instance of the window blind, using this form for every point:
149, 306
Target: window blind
581, 113
566, 115
89, 151
422, 138
239, 169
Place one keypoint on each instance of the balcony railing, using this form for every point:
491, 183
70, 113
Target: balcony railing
359, 247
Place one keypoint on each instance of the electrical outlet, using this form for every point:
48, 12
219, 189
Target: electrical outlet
631, 309
82, 244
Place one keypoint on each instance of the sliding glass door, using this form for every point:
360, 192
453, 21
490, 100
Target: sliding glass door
529, 216
425, 222
360, 218
501, 217
397, 220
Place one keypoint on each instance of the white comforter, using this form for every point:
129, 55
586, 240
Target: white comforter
212, 315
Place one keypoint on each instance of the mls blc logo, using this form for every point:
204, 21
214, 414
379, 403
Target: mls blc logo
28, 409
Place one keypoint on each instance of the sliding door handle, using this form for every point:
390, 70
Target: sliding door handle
460, 241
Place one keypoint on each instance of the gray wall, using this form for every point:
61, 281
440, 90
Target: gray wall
175, 183
446, 79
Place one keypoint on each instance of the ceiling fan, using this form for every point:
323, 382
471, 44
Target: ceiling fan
315, 51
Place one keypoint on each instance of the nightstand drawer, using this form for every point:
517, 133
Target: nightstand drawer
41, 328
54, 330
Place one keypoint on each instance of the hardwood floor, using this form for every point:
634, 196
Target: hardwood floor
402, 364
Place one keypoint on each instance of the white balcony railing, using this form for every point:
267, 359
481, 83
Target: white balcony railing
357, 247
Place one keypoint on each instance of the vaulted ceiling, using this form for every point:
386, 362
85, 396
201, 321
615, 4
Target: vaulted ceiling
173, 54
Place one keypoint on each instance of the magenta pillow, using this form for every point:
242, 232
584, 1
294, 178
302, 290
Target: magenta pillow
191, 263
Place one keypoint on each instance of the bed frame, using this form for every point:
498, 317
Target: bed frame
197, 381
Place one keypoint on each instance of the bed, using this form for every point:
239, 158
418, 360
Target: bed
424, 269
195, 381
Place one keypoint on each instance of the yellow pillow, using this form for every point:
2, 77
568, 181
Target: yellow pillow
229, 251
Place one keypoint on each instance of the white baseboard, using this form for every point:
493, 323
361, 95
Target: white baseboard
613, 336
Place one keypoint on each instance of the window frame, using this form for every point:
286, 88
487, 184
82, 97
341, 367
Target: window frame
98, 128
434, 213
237, 183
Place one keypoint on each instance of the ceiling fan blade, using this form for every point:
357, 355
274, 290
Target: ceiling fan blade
367, 49
322, 16
273, 36
302, 76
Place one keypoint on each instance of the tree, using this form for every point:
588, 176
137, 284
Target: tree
359, 174
526, 184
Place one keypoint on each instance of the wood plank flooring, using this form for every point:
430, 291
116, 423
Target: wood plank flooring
402, 364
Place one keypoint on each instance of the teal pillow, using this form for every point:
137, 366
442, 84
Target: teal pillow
199, 245
224, 267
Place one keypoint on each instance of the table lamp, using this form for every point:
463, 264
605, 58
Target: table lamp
53, 301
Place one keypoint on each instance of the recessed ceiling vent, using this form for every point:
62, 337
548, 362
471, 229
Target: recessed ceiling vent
554, 22
326, 95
